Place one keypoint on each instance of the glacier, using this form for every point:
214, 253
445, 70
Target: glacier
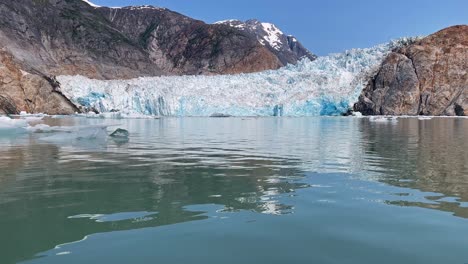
329, 85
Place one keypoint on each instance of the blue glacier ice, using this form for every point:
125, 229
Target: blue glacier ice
326, 86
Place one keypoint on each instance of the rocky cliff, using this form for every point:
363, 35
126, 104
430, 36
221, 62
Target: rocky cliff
29, 91
428, 77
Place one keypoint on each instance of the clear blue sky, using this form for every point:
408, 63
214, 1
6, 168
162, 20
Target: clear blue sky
327, 26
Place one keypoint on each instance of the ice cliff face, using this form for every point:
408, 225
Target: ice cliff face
326, 86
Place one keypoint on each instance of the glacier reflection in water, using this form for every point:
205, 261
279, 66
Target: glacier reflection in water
326, 86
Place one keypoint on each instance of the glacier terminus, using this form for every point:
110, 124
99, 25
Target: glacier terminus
329, 85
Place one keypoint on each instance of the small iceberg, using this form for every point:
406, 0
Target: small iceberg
10, 123
383, 119
40, 128
357, 114
120, 134
425, 118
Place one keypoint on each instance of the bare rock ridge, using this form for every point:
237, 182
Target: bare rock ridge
428, 77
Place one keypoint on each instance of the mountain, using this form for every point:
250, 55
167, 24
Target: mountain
428, 77
77, 37
46, 38
286, 47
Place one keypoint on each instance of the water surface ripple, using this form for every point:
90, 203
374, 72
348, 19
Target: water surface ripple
239, 190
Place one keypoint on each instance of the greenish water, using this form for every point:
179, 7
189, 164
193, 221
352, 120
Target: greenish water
239, 190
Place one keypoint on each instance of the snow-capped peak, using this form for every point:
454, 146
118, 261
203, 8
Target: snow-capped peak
287, 48
267, 33
90, 3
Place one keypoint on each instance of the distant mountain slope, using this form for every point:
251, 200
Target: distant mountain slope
177, 44
59, 37
286, 47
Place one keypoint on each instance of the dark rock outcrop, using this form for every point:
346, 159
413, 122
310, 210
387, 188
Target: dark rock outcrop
428, 77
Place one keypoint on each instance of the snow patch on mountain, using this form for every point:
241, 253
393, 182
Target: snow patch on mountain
273, 35
141, 7
90, 3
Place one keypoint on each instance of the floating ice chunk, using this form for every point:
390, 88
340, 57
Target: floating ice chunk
26, 114
357, 114
425, 117
378, 119
383, 119
120, 133
40, 128
7, 123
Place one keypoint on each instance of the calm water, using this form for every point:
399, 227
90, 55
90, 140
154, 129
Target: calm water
239, 190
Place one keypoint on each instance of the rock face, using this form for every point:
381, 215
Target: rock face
68, 37
428, 77
286, 47
59, 37
180, 45
31, 92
